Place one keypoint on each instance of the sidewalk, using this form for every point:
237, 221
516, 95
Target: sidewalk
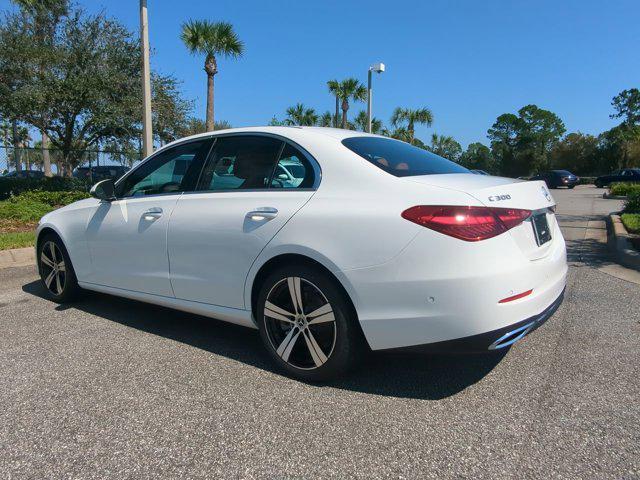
17, 257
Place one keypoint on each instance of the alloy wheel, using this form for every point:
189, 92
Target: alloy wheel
52, 268
300, 323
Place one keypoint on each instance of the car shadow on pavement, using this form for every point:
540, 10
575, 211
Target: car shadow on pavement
403, 375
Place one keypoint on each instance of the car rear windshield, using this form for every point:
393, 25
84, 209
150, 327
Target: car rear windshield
399, 158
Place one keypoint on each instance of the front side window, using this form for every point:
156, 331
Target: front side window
164, 173
241, 162
399, 158
293, 170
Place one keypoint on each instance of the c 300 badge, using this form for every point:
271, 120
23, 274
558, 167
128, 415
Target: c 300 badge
546, 194
497, 198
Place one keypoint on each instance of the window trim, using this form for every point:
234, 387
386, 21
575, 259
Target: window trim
161, 151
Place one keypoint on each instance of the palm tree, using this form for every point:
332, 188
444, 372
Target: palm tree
361, 123
211, 39
421, 116
445, 146
299, 114
349, 89
334, 85
326, 119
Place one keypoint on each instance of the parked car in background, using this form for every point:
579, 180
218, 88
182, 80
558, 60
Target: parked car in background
24, 174
100, 173
480, 172
625, 175
557, 178
325, 240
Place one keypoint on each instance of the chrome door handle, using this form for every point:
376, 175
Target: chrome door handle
262, 213
152, 213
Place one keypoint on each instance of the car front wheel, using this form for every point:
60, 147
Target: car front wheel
307, 324
56, 271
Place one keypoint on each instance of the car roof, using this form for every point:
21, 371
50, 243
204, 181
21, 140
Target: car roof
338, 134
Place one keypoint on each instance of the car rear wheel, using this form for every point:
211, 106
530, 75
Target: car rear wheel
56, 270
307, 324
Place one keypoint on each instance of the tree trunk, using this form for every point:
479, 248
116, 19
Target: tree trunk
335, 119
345, 107
46, 158
210, 119
16, 152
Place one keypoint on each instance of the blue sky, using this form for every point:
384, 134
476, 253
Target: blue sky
468, 61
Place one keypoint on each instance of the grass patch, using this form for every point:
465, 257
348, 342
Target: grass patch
17, 239
631, 222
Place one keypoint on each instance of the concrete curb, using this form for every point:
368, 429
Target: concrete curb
17, 257
619, 244
613, 197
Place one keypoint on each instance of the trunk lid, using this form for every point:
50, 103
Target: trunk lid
501, 192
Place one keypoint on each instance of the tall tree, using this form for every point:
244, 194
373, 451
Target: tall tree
521, 143
347, 90
170, 109
478, 157
361, 123
408, 118
619, 148
334, 86
299, 114
212, 39
42, 18
445, 146
89, 95
627, 106
578, 153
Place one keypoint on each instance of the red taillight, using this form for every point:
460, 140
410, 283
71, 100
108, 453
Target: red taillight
466, 223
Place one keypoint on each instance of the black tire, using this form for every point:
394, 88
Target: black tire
60, 282
289, 342
599, 184
571, 187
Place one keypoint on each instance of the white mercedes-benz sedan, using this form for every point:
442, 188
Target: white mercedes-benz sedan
327, 241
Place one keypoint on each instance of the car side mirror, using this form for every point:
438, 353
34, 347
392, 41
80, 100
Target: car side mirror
103, 190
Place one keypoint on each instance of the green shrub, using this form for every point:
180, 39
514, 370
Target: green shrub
15, 186
31, 206
24, 210
631, 222
54, 199
624, 189
632, 204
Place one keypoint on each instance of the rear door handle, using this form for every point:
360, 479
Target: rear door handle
262, 213
152, 213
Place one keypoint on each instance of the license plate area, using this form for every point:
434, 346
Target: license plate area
541, 229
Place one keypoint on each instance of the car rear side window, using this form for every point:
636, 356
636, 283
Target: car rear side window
241, 163
399, 158
293, 170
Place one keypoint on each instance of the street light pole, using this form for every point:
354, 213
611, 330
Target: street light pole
378, 68
147, 133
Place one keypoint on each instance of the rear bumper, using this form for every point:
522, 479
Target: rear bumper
437, 290
495, 340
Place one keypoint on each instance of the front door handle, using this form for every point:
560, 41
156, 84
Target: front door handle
262, 213
152, 213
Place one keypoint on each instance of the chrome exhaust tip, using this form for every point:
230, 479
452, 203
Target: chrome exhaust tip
512, 337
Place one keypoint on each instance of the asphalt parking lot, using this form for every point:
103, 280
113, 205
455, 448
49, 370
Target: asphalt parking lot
110, 388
